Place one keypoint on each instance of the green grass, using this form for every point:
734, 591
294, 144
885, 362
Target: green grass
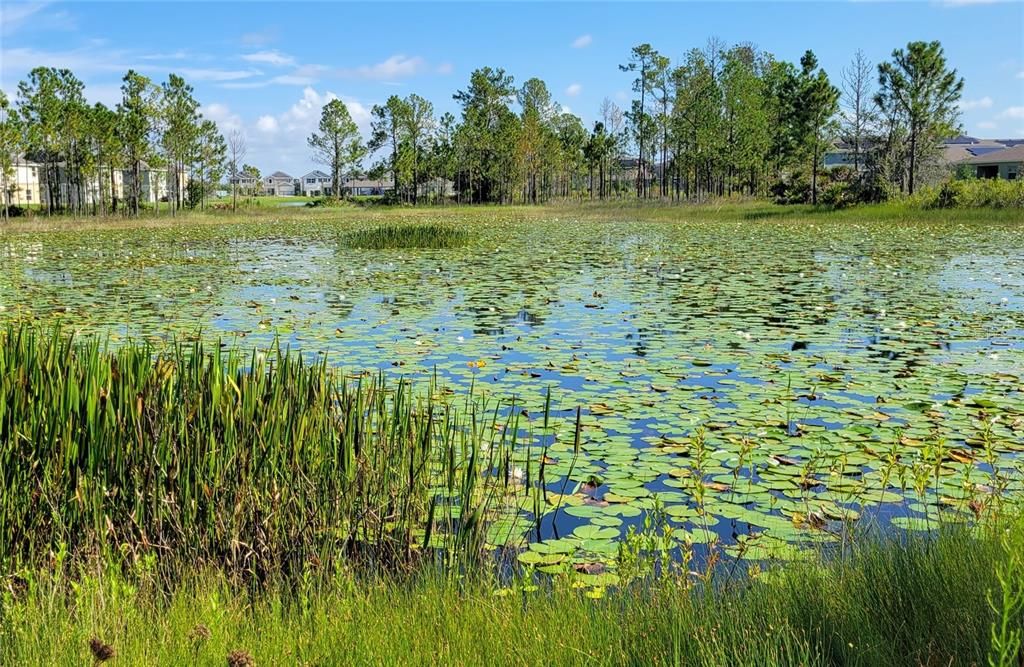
920, 602
408, 236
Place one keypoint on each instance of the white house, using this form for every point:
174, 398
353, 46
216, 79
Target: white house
279, 184
315, 184
22, 184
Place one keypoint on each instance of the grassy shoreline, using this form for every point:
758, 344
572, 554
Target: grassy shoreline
753, 211
916, 602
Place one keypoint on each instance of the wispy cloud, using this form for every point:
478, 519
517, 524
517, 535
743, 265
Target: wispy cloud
14, 15
582, 42
200, 74
574, 89
398, 66
1013, 112
259, 38
967, 3
987, 125
970, 105
292, 80
273, 57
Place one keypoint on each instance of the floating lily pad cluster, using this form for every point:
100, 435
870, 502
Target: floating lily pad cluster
763, 386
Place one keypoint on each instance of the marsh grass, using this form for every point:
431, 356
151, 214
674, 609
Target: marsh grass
431, 236
257, 464
919, 601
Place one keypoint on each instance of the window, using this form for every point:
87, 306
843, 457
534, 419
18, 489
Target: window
28, 195
1011, 175
311, 180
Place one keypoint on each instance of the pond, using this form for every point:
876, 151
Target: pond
746, 378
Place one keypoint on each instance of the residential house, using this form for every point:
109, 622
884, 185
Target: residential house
279, 184
23, 183
246, 183
361, 187
1007, 163
315, 184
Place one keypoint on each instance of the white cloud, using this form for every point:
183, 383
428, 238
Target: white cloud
195, 74
1013, 112
397, 66
574, 89
222, 115
445, 68
274, 57
582, 42
982, 103
267, 124
1020, 74
986, 125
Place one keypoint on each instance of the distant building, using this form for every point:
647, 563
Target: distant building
1007, 163
315, 184
279, 184
28, 185
245, 182
362, 187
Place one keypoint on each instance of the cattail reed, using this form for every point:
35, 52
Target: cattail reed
257, 463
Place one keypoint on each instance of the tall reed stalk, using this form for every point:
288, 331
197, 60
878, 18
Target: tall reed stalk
264, 465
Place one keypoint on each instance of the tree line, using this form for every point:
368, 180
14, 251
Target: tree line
720, 121
82, 147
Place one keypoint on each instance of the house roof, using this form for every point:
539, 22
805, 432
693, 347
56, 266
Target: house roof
1014, 154
960, 152
280, 174
316, 173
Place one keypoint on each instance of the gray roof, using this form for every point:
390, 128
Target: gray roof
1014, 154
316, 173
281, 174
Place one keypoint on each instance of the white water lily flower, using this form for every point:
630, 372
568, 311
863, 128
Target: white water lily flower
461, 339
518, 474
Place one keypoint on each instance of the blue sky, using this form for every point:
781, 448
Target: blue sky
267, 67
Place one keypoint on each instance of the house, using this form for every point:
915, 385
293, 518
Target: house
1007, 163
246, 183
361, 187
23, 183
279, 184
315, 184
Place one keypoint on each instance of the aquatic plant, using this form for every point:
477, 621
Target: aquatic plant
408, 236
262, 464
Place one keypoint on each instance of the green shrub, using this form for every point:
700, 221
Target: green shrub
971, 193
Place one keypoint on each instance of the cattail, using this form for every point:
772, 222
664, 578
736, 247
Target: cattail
240, 659
200, 632
102, 652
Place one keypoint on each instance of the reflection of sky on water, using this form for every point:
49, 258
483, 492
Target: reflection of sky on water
697, 323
